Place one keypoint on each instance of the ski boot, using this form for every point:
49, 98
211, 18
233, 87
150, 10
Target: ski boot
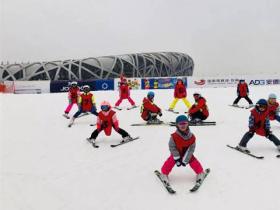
243, 149
164, 178
200, 177
196, 121
154, 121
126, 138
66, 115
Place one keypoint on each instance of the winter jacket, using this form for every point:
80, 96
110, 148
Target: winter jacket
259, 122
242, 89
199, 106
148, 107
182, 146
180, 91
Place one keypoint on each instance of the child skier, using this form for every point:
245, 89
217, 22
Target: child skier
150, 111
273, 107
182, 146
180, 92
259, 124
242, 92
86, 103
73, 95
199, 110
106, 120
124, 93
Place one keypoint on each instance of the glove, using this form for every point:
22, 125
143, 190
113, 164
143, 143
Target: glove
183, 164
267, 133
178, 162
252, 130
94, 107
160, 114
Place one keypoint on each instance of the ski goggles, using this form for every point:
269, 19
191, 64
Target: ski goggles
183, 125
105, 107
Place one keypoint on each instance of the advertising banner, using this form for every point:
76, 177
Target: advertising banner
95, 85
199, 82
263, 80
31, 87
161, 83
230, 81
63, 86
133, 83
103, 84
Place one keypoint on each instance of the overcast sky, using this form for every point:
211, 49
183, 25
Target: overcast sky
222, 36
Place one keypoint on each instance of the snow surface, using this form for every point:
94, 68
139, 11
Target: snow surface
47, 166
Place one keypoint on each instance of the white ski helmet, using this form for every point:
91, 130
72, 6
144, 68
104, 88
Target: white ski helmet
272, 96
86, 88
197, 93
74, 83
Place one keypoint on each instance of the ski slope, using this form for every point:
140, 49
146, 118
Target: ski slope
47, 166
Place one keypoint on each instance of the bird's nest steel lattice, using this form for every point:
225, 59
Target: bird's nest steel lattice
160, 64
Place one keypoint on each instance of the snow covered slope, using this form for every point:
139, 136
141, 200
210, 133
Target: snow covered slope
47, 166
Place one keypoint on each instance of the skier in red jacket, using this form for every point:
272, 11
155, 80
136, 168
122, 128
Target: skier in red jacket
124, 93
73, 95
182, 147
242, 92
259, 124
106, 120
199, 110
150, 111
180, 92
273, 107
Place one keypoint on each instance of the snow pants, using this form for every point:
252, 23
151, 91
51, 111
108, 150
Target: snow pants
174, 102
69, 107
93, 111
246, 98
170, 163
248, 135
121, 131
128, 98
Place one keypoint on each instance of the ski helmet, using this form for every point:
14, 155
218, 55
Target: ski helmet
180, 80
262, 102
151, 94
74, 83
272, 96
105, 106
196, 94
86, 88
182, 118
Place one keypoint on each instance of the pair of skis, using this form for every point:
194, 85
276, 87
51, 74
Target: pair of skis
172, 111
241, 107
249, 153
199, 123
202, 123
128, 108
83, 114
169, 189
114, 145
